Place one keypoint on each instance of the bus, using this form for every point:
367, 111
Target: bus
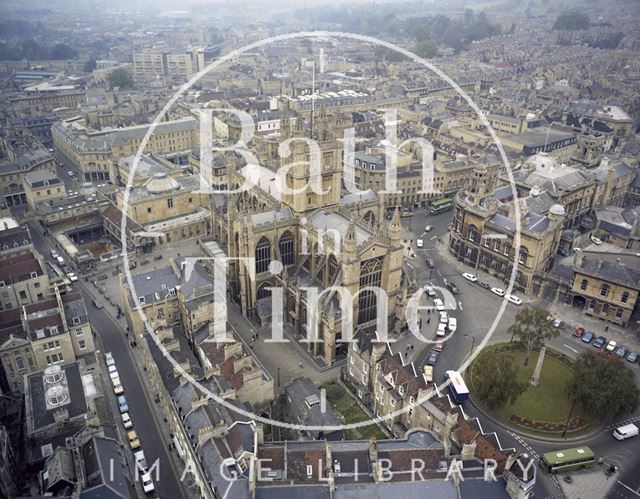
567, 460
457, 387
441, 205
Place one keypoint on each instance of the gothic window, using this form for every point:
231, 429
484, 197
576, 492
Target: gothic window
263, 291
370, 275
286, 248
333, 268
263, 255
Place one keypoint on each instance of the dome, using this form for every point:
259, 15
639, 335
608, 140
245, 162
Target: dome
161, 182
557, 209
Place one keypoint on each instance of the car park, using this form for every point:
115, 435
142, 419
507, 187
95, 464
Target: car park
453, 324
72, 277
621, 351
514, 299
419, 243
599, 342
558, 323
126, 421
147, 483
578, 332
498, 291
430, 263
432, 360
439, 304
428, 228
134, 441
611, 346
429, 290
469, 277
453, 288
633, 357
122, 404
588, 337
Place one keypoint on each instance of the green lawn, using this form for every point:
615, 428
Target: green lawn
345, 405
546, 402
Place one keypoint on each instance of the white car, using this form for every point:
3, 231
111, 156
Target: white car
453, 324
60, 261
117, 387
577, 250
443, 318
429, 290
439, 305
558, 323
147, 483
442, 330
428, 228
114, 375
595, 240
498, 291
419, 243
54, 254
611, 346
72, 277
141, 461
514, 299
113, 369
126, 421
469, 277
108, 357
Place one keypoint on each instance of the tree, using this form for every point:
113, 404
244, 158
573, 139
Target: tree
531, 328
61, 51
90, 65
121, 78
604, 386
572, 20
495, 380
426, 49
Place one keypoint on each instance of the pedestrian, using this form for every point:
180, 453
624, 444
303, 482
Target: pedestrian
412, 346
406, 354
300, 364
606, 329
429, 320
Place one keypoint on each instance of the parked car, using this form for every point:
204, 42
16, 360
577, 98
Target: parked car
469, 277
419, 243
439, 304
71, 174
484, 285
112, 368
126, 421
453, 324
498, 291
134, 441
443, 318
595, 240
578, 332
621, 351
147, 483
611, 346
114, 375
587, 337
453, 288
633, 356
428, 228
599, 342
60, 261
122, 404
514, 299
72, 277
117, 386
442, 330
98, 304
563, 252
141, 461
429, 290
406, 214
108, 357
433, 358
558, 323
439, 346
430, 263
388, 215
54, 254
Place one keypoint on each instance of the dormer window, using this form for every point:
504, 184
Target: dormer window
401, 390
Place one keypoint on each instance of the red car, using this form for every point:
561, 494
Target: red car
430, 263
579, 332
439, 346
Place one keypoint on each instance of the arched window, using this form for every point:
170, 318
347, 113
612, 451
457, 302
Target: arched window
333, 268
473, 232
263, 255
522, 256
370, 275
625, 297
286, 248
506, 249
263, 291
370, 217
604, 290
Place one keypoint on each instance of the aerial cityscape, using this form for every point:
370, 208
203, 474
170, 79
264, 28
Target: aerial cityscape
320, 249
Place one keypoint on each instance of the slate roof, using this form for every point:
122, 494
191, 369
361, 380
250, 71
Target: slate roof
106, 470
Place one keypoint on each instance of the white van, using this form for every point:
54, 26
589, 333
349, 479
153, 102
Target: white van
626, 431
439, 305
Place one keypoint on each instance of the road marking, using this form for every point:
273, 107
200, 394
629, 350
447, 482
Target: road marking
323, 400
460, 305
629, 489
435, 236
570, 348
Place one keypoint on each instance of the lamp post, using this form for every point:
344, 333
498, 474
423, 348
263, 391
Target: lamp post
566, 425
473, 343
